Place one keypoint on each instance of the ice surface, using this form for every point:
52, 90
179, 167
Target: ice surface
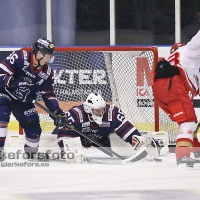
143, 180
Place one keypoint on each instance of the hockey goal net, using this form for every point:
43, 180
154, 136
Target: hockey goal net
122, 75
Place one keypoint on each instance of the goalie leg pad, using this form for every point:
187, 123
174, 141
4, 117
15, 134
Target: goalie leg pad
120, 146
74, 150
75, 156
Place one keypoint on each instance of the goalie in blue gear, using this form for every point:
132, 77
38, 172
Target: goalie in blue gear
98, 119
22, 75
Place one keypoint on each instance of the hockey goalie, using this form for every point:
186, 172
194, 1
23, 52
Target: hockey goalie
107, 125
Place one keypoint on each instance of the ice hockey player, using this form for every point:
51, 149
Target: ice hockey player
98, 120
22, 75
176, 83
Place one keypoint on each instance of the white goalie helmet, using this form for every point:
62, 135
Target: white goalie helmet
95, 107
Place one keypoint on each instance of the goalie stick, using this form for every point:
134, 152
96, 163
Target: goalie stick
138, 156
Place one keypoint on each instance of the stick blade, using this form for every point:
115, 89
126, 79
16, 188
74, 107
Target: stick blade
135, 158
139, 157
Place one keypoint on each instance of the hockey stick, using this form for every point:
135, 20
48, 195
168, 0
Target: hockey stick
136, 157
197, 128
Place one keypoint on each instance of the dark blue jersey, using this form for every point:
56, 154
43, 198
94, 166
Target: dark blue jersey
19, 64
113, 121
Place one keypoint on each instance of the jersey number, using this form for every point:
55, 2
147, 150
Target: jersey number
13, 56
120, 116
69, 117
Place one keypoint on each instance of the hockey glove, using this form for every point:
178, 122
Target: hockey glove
148, 144
62, 120
21, 90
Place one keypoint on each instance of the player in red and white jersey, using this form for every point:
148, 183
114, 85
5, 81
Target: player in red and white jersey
176, 82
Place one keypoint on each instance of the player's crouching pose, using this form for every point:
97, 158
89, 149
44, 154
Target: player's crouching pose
98, 119
22, 75
176, 83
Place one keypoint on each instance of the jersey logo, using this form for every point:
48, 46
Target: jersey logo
104, 124
43, 75
28, 73
40, 82
51, 46
85, 124
86, 129
30, 112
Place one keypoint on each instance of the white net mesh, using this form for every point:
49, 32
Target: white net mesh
122, 77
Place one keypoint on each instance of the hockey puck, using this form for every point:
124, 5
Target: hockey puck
158, 160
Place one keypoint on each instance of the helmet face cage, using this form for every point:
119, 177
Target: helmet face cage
45, 47
99, 111
95, 107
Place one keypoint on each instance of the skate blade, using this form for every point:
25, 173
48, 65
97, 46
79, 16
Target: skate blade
185, 166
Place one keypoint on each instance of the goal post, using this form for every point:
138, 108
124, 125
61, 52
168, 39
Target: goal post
123, 75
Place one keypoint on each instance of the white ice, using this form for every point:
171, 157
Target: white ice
143, 180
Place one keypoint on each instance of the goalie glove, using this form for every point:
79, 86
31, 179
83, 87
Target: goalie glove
148, 144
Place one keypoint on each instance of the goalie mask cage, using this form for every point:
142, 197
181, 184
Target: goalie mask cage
123, 75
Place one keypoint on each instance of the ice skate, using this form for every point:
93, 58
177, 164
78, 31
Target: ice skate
187, 162
197, 155
43, 157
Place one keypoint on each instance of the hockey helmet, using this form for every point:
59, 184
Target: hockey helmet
45, 47
176, 46
95, 107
